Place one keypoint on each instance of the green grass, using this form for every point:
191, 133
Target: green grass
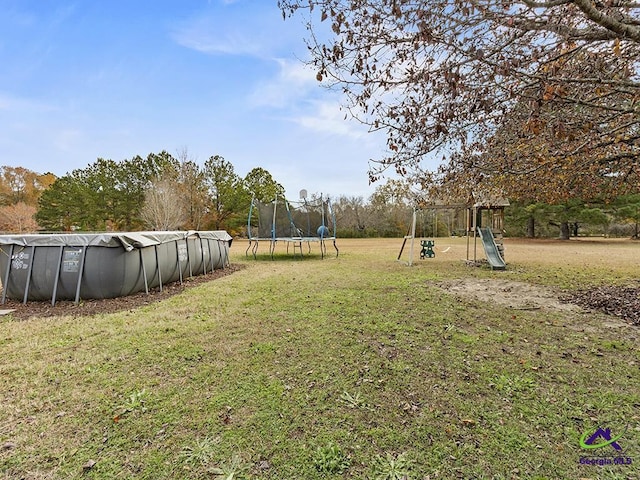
348, 367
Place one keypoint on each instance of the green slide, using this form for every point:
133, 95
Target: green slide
491, 250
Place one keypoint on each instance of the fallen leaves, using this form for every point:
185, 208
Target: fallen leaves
620, 301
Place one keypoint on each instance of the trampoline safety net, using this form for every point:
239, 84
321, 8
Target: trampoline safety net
309, 220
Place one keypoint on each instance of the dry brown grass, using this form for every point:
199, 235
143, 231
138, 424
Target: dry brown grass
577, 262
620, 255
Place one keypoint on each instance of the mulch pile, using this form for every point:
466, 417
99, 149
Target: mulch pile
109, 305
621, 301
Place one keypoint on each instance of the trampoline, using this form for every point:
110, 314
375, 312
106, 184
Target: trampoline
296, 224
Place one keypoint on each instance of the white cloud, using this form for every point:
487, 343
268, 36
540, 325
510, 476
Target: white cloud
293, 82
327, 117
230, 29
299, 97
203, 36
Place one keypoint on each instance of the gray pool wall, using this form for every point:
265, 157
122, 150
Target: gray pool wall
106, 265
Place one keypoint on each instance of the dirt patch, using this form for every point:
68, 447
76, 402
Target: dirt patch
512, 294
617, 301
110, 305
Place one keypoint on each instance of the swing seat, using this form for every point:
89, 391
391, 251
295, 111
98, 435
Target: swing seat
427, 249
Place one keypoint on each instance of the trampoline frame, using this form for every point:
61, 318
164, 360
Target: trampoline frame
296, 241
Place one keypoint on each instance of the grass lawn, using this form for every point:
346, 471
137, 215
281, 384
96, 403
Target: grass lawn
350, 367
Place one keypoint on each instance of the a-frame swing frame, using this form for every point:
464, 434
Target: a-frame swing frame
411, 233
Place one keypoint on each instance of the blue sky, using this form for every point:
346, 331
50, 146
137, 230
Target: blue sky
89, 79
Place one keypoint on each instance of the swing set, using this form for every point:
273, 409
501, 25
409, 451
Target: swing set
428, 218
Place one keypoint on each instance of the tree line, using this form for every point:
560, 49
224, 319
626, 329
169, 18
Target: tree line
575, 217
163, 192
159, 192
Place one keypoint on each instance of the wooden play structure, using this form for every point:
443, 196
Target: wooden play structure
482, 220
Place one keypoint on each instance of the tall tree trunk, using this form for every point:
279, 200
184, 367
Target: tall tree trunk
531, 227
564, 231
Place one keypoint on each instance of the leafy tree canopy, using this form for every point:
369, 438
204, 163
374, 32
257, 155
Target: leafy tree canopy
21, 185
516, 96
229, 200
106, 195
261, 184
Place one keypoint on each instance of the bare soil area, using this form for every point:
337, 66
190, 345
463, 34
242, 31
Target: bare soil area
621, 302
512, 294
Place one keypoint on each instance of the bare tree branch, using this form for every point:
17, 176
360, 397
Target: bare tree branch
516, 87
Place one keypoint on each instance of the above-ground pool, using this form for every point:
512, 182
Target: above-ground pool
105, 265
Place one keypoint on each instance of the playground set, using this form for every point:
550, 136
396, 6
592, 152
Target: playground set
483, 220
296, 224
